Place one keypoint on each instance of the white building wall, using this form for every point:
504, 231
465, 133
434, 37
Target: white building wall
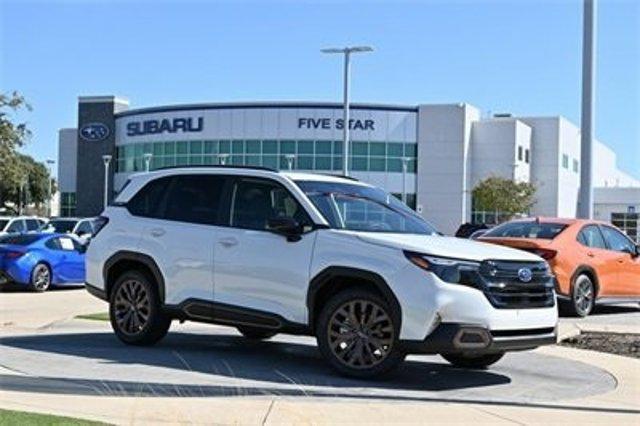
605, 169
444, 164
67, 159
494, 149
568, 177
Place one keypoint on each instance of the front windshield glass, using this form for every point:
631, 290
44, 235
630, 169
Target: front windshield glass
363, 208
61, 226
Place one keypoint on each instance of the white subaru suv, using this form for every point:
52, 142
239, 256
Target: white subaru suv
271, 252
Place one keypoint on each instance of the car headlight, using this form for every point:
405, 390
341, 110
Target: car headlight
457, 271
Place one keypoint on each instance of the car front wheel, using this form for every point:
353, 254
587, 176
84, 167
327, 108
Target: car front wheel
473, 361
135, 312
358, 335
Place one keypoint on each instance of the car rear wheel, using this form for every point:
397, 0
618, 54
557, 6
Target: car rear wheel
256, 333
473, 361
135, 311
358, 335
40, 278
582, 296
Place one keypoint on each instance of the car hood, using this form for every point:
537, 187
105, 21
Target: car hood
437, 245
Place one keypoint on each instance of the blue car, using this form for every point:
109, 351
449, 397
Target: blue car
37, 261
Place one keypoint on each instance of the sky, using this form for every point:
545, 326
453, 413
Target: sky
521, 56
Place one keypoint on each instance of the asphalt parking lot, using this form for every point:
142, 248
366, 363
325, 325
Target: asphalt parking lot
54, 354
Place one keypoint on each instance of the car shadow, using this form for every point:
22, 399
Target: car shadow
226, 357
22, 288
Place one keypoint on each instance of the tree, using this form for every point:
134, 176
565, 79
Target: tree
496, 194
19, 174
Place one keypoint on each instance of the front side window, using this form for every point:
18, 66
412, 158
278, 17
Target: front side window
363, 208
527, 229
256, 201
617, 241
591, 236
32, 225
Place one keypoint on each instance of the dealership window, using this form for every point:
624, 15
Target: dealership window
565, 161
526, 156
629, 223
320, 155
575, 165
67, 204
519, 153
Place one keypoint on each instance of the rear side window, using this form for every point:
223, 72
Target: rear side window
147, 202
591, 236
520, 229
196, 199
32, 225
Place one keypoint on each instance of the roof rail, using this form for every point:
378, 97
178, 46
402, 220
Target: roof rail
217, 166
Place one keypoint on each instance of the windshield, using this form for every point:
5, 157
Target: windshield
61, 226
3, 223
363, 208
520, 229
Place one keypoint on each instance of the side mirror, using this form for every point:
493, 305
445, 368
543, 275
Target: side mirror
637, 253
285, 226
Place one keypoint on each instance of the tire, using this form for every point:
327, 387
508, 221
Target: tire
582, 296
256, 333
134, 310
476, 362
366, 350
40, 279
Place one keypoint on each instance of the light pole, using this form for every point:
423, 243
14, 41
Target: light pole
222, 159
50, 163
585, 204
106, 159
290, 158
346, 51
405, 166
147, 161
22, 197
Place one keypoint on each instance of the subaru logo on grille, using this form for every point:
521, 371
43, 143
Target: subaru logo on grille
94, 132
525, 275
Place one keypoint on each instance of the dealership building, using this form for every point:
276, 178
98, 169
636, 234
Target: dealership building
433, 153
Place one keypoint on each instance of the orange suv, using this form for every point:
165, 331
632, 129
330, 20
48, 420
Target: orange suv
593, 261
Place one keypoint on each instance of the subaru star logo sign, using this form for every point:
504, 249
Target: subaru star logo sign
94, 132
525, 275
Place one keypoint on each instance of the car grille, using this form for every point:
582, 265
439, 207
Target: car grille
509, 285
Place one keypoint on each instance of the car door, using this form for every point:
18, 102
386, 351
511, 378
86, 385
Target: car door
593, 252
32, 225
626, 262
179, 233
254, 267
62, 258
17, 226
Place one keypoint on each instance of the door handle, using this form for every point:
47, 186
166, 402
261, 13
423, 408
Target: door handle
228, 242
590, 254
157, 232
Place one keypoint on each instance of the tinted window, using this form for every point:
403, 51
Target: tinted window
62, 243
523, 229
32, 225
16, 226
20, 240
591, 236
257, 201
147, 201
62, 226
3, 223
84, 228
195, 199
617, 241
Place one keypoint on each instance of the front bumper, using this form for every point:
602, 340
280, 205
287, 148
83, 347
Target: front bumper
469, 338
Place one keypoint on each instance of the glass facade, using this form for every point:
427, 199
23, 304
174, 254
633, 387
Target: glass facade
67, 204
628, 223
321, 155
